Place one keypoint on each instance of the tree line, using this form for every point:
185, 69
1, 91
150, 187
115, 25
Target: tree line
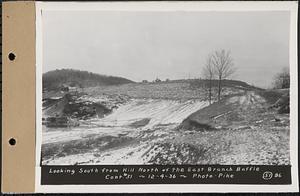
282, 79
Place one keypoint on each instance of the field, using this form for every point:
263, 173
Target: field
180, 90
169, 123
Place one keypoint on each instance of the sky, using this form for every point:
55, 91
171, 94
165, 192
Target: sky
174, 45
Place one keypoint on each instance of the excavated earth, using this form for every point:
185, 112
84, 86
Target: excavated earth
244, 128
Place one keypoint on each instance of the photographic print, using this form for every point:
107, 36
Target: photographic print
166, 88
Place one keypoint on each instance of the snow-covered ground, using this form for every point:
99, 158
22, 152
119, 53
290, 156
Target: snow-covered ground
146, 131
159, 112
164, 116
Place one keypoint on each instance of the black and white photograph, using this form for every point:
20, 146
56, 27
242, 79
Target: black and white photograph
165, 87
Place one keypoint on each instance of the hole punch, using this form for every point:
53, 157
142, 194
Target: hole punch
11, 56
12, 141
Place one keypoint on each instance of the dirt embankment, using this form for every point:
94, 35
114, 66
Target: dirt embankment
237, 108
204, 119
70, 105
243, 129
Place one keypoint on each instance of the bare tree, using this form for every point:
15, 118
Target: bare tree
282, 79
223, 67
208, 72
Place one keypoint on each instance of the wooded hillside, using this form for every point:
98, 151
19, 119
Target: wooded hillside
57, 78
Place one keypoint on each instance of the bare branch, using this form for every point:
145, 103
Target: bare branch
223, 66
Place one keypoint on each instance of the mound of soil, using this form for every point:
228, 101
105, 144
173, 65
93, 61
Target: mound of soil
192, 124
84, 110
71, 106
231, 110
203, 119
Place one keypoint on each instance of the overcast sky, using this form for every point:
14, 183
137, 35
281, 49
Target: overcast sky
174, 45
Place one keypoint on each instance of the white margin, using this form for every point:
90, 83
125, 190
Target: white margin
291, 6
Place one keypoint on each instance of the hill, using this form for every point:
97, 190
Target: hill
196, 83
173, 89
57, 78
